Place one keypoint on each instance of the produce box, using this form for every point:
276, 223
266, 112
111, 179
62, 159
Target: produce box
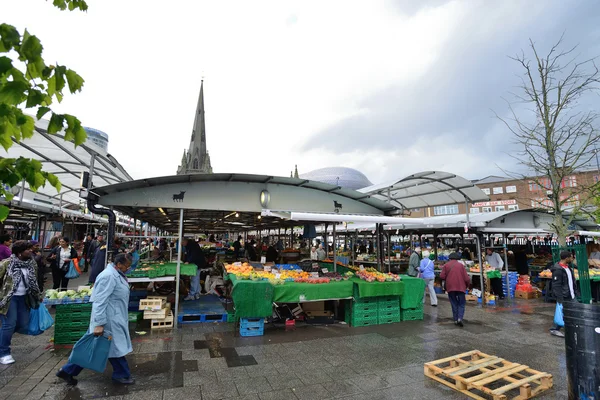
526, 295
319, 317
162, 323
252, 327
471, 297
152, 304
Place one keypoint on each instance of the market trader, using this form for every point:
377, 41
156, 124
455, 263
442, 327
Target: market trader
496, 262
194, 255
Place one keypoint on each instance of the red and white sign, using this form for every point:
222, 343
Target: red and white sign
494, 203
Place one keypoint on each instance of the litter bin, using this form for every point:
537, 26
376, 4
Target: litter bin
582, 341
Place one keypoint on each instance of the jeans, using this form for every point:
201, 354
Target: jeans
195, 282
458, 301
119, 365
432, 295
15, 319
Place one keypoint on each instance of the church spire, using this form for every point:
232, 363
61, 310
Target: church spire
296, 172
197, 159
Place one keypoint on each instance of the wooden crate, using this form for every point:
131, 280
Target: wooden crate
526, 295
152, 304
483, 377
471, 297
164, 323
160, 314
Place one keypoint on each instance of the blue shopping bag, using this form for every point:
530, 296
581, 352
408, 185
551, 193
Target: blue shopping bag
45, 320
72, 273
34, 321
91, 352
558, 315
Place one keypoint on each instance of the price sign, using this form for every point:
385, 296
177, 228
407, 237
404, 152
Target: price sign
324, 270
237, 264
277, 276
315, 265
361, 267
263, 260
314, 274
267, 268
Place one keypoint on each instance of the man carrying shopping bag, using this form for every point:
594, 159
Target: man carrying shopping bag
564, 289
110, 300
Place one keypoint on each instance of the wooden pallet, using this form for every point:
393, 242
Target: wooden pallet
483, 377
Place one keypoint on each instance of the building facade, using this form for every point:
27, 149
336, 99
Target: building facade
97, 137
507, 194
197, 160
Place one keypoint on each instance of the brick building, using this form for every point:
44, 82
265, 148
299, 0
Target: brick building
508, 194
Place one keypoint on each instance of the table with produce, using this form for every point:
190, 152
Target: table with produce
254, 291
73, 311
159, 269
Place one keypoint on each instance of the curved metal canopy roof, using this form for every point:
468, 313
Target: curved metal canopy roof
427, 189
67, 162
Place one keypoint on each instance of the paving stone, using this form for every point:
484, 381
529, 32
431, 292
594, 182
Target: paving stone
342, 388
145, 395
286, 381
252, 385
184, 393
218, 391
370, 382
312, 392
283, 394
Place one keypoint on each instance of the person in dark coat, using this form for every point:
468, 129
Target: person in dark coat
272, 255
98, 263
86, 252
237, 245
250, 249
457, 282
564, 285
521, 261
41, 264
195, 255
60, 259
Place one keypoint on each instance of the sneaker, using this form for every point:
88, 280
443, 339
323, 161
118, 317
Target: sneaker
557, 333
189, 297
434, 305
125, 381
197, 297
460, 323
6, 360
66, 377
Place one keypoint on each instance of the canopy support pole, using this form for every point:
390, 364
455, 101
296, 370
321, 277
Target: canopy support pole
506, 264
389, 250
178, 274
355, 247
477, 240
334, 252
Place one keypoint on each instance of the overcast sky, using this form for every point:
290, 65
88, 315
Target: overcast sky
387, 87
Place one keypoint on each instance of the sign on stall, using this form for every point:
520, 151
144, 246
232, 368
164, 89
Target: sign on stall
324, 270
263, 260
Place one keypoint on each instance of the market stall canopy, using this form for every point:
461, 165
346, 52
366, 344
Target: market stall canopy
232, 201
427, 189
67, 162
298, 216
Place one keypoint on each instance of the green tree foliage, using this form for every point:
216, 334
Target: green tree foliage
28, 83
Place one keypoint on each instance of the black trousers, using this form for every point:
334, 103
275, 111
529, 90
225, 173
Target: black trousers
58, 279
496, 284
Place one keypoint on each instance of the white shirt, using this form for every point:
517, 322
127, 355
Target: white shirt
495, 261
65, 254
22, 289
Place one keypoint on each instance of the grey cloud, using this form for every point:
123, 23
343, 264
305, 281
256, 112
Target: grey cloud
456, 97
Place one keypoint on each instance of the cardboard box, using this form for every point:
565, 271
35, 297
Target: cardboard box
313, 306
470, 297
319, 317
526, 295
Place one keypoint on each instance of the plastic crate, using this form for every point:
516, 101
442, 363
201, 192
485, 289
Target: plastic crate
230, 317
358, 321
67, 337
77, 316
74, 306
411, 314
252, 327
364, 308
392, 306
135, 316
389, 318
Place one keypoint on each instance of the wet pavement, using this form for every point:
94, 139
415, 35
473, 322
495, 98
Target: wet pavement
210, 361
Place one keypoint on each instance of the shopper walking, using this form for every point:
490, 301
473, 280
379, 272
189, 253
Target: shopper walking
5, 243
413, 262
109, 314
36, 253
496, 262
94, 247
86, 252
98, 263
194, 255
428, 274
18, 275
457, 282
564, 287
60, 259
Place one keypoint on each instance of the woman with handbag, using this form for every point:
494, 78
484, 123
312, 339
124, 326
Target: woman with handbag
60, 258
18, 293
110, 300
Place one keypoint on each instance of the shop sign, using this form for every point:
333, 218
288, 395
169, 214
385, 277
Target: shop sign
494, 203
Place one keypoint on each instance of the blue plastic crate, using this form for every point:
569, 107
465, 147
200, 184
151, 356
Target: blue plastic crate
252, 327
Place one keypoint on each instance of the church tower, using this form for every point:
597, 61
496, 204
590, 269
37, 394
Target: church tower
197, 159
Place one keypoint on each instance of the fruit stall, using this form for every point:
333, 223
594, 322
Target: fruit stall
371, 297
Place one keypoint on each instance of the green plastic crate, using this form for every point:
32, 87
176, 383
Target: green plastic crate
71, 326
67, 337
72, 317
135, 316
389, 318
74, 306
363, 321
364, 308
230, 317
411, 314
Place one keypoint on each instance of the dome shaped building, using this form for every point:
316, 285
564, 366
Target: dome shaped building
347, 178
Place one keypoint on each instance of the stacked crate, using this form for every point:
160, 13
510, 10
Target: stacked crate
71, 322
509, 291
252, 327
363, 311
412, 314
158, 311
388, 309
